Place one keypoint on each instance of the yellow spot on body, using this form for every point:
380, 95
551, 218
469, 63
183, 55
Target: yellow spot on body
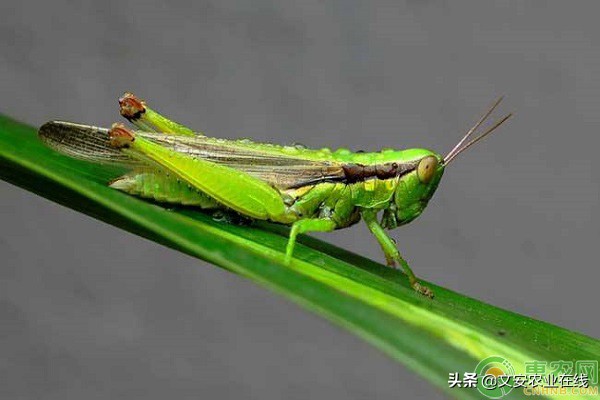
390, 184
370, 185
299, 192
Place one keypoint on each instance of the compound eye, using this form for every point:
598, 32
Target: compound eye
426, 168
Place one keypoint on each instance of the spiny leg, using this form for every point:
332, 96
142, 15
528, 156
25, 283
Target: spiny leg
304, 226
392, 254
138, 113
230, 187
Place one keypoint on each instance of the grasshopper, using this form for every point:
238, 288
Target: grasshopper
310, 190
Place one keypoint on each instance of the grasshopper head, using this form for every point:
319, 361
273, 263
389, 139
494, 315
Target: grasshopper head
415, 188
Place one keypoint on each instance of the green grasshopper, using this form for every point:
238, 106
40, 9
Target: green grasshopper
311, 190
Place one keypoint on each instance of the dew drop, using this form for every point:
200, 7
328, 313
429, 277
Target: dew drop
299, 146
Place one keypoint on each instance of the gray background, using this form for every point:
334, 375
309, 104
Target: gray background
88, 311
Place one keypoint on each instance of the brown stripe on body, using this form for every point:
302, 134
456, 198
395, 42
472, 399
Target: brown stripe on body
360, 172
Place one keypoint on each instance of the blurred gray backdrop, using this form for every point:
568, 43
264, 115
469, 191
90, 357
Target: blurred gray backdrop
90, 312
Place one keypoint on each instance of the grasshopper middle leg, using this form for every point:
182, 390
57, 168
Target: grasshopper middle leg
304, 226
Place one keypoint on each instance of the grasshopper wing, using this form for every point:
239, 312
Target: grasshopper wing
84, 142
269, 163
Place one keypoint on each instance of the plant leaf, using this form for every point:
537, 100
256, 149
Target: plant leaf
450, 333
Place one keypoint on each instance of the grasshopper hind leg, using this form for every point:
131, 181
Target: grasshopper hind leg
229, 187
146, 119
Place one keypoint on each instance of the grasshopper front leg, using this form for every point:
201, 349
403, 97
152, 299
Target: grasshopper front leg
392, 254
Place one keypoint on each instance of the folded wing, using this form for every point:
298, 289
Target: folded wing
266, 162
